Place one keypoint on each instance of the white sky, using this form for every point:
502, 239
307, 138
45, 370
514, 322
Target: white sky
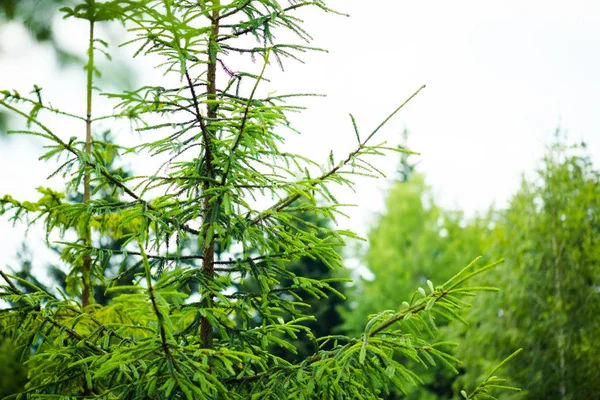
500, 76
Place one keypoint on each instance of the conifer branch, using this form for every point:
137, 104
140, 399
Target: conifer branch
243, 124
93, 166
155, 308
9, 282
291, 199
200, 119
87, 295
208, 239
237, 9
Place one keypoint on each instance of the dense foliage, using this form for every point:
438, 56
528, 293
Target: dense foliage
413, 241
548, 297
224, 207
551, 289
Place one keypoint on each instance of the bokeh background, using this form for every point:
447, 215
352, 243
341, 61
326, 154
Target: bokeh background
506, 81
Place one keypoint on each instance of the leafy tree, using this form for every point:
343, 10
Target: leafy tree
549, 236
411, 242
217, 136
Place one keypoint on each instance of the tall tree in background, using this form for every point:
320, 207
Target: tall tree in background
225, 185
550, 297
411, 242
38, 18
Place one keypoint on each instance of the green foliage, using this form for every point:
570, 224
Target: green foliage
185, 326
325, 311
37, 20
412, 242
492, 382
549, 301
12, 370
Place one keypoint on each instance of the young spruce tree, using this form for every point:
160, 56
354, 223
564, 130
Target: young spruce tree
224, 185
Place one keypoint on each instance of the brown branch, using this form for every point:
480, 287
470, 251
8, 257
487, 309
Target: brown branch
243, 124
12, 285
196, 257
75, 335
208, 251
87, 293
203, 128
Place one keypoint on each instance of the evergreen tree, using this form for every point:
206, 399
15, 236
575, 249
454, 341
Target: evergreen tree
120, 272
326, 311
549, 299
218, 137
413, 241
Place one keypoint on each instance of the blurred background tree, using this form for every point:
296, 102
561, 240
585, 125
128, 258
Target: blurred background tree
38, 19
550, 298
550, 283
12, 370
412, 241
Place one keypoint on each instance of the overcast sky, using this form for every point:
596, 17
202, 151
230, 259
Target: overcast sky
500, 76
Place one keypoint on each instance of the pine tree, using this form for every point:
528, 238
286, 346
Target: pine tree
549, 300
121, 273
218, 136
414, 240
